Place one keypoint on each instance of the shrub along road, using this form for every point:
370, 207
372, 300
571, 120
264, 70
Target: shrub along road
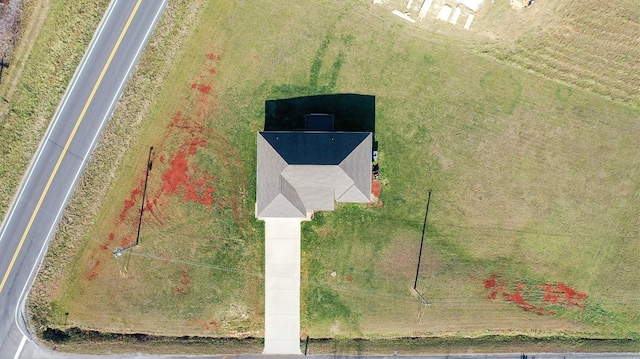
63, 154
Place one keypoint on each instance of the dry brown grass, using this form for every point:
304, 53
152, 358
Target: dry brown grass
590, 44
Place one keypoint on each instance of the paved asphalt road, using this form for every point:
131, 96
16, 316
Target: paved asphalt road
60, 160
62, 155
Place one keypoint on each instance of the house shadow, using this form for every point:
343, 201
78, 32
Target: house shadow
352, 112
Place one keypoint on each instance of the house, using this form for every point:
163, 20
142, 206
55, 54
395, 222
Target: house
299, 172
304, 171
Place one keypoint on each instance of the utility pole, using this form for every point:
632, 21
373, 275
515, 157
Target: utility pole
118, 251
424, 228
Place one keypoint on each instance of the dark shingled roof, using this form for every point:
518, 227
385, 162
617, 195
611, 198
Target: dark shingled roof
299, 172
314, 148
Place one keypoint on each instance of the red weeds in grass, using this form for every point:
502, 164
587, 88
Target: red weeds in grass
176, 175
198, 191
185, 278
193, 145
128, 203
211, 325
562, 294
531, 299
177, 118
126, 240
93, 270
491, 282
180, 173
520, 300
213, 56
185, 281
205, 89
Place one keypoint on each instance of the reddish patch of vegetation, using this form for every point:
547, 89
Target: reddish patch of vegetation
211, 325
127, 240
128, 203
562, 294
491, 282
176, 175
175, 172
349, 278
104, 246
532, 298
213, 56
199, 191
185, 281
93, 269
204, 88
520, 300
112, 236
177, 118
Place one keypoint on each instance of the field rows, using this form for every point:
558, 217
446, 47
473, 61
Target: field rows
591, 44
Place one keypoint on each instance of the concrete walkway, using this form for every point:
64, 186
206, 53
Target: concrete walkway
282, 286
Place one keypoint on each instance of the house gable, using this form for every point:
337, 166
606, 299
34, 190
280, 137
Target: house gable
312, 171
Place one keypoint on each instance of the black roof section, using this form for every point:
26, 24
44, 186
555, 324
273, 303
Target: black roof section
313, 148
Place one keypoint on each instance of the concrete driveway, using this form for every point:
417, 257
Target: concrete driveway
282, 286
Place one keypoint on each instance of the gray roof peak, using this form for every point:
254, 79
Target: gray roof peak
303, 171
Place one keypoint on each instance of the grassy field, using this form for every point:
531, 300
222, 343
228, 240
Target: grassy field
532, 227
589, 44
52, 42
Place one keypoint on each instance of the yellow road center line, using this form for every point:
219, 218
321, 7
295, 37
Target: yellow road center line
66, 146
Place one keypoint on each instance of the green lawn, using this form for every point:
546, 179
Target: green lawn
533, 181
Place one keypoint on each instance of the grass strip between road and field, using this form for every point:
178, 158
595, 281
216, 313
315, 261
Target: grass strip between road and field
91, 342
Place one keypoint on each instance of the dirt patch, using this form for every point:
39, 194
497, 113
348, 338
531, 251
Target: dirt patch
376, 187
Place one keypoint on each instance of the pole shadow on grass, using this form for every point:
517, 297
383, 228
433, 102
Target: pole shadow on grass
352, 112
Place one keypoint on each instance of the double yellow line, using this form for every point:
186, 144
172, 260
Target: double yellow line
66, 146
